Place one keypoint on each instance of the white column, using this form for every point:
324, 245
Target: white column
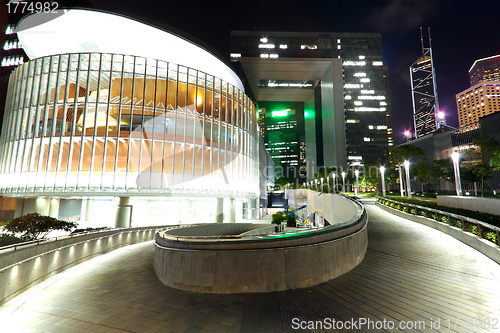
219, 210
89, 208
232, 211
54, 207
123, 213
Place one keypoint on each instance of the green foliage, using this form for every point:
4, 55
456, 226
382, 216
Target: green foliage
484, 217
481, 156
282, 181
9, 240
34, 226
290, 220
406, 152
278, 217
89, 229
424, 173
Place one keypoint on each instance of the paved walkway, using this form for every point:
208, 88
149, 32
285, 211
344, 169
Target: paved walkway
410, 273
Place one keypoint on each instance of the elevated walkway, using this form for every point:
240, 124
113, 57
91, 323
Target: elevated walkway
410, 273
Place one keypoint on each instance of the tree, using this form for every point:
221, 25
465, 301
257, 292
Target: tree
408, 152
484, 151
281, 182
423, 172
443, 170
35, 226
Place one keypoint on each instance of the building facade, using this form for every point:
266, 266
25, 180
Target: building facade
103, 124
339, 77
478, 101
486, 69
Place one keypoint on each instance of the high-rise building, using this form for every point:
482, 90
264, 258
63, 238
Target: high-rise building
281, 130
478, 101
424, 93
339, 79
486, 69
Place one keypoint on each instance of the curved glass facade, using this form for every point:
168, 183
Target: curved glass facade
116, 123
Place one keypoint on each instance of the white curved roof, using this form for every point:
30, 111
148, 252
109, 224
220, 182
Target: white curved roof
82, 31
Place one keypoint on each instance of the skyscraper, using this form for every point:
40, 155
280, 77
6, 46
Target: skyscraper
486, 69
424, 92
338, 78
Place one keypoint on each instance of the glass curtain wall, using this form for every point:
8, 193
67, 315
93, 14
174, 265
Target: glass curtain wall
107, 122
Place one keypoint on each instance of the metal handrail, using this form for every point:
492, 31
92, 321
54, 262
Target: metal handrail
273, 236
456, 216
54, 239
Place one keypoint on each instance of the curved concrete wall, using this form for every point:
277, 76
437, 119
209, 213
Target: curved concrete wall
333, 207
261, 264
27, 265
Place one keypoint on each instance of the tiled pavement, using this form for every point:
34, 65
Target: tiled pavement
410, 273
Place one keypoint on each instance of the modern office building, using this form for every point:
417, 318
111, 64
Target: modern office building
135, 113
486, 69
477, 101
426, 116
339, 78
281, 130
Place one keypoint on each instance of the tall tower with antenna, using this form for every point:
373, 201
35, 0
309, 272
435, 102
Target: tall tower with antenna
426, 115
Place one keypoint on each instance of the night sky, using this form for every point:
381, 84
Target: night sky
462, 32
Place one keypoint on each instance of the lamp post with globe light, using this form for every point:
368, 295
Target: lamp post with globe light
407, 170
356, 172
382, 169
400, 181
343, 181
456, 168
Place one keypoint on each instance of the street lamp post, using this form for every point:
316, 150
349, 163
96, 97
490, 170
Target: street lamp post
334, 182
400, 181
382, 169
456, 168
343, 181
407, 170
357, 181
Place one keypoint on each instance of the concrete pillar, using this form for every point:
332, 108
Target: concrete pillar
185, 211
219, 210
88, 208
54, 207
123, 213
232, 211
19, 207
42, 206
249, 209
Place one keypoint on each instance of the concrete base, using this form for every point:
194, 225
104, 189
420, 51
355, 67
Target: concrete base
487, 248
188, 259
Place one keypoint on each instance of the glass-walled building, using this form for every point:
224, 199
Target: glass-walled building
341, 82
110, 124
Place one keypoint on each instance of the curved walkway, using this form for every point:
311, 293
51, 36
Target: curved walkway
410, 273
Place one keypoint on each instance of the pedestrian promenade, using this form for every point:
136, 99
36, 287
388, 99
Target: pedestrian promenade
411, 273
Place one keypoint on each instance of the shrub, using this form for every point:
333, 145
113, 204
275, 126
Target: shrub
490, 235
484, 217
278, 217
9, 240
290, 220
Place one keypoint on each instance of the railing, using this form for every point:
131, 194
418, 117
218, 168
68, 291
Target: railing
163, 233
467, 224
54, 239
